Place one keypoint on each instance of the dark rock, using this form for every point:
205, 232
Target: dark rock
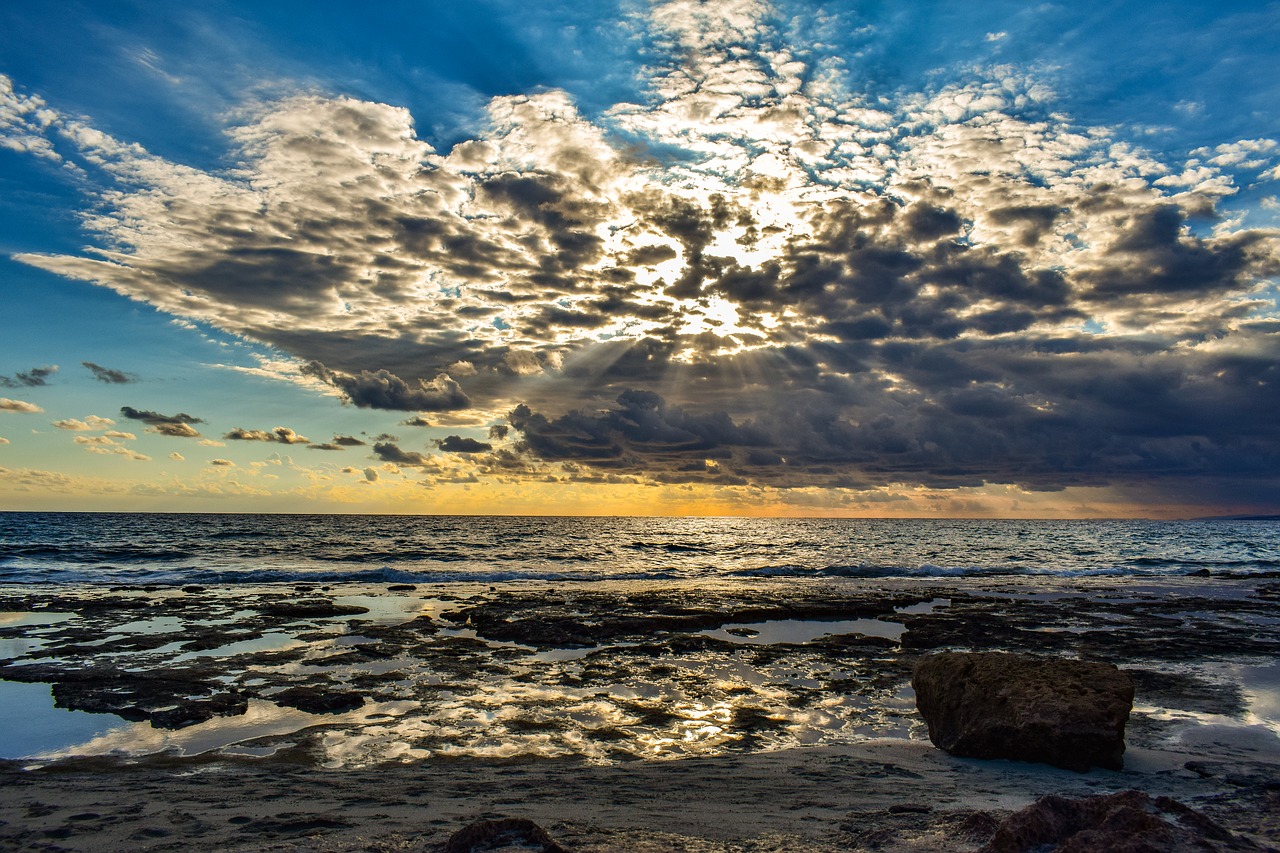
166, 698
987, 705
315, 701
401, 587
1127, 822
213, 639
192, 712
310, 608
503, 832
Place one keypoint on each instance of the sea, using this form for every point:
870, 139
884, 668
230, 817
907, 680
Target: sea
598, 639
179, 549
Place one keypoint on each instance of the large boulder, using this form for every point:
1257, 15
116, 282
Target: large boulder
988, 705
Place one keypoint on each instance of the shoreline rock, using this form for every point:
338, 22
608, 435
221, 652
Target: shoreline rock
1066, 713
1124, 821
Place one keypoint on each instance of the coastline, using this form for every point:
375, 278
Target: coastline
774, 715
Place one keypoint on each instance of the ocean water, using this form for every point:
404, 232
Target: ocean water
800, 632
175, 549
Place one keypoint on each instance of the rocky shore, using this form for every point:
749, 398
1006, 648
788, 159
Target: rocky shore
760, 716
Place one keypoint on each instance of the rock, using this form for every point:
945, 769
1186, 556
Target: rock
1066, 713
311, 608
315, 701
1127, 822
503, 832
166, 699
190, 713
401, 587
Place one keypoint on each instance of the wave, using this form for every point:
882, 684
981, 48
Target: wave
80, 554
115, 576
928, 570
1184, 563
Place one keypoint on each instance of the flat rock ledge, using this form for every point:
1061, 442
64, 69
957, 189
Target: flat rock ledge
1067, 713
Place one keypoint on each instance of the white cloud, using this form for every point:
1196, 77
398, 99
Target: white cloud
92, 422
7, 405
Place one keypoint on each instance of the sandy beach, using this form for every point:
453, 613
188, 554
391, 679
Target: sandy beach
890, 796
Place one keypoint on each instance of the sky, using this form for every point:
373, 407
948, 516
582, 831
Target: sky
658, 258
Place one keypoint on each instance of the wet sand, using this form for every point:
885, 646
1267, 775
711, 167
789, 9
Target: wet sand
644, 717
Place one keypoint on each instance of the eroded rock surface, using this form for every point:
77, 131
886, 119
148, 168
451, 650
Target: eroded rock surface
1126, 822
1062, 712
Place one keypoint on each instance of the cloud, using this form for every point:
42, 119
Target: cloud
111, 377
107, 444
280, 435
155, 418
388, 452
174, 426
222, 463
325, 446
33, 378
92, 422
177, 457
25, 479
758, 272
174, 430
416, 420
370, 475
7, 405
347, 441
4, 440
381, 389
458, 444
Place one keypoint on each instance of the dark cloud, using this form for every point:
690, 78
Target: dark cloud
642, 430
155, 418
33, 378
111, 377
347, 441
417, 421
458, 444
388, 452
959, 414
382, 389
325, 446
1156, 255
280, 435
174, 426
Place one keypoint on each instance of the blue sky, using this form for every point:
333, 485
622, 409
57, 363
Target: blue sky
837, 258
